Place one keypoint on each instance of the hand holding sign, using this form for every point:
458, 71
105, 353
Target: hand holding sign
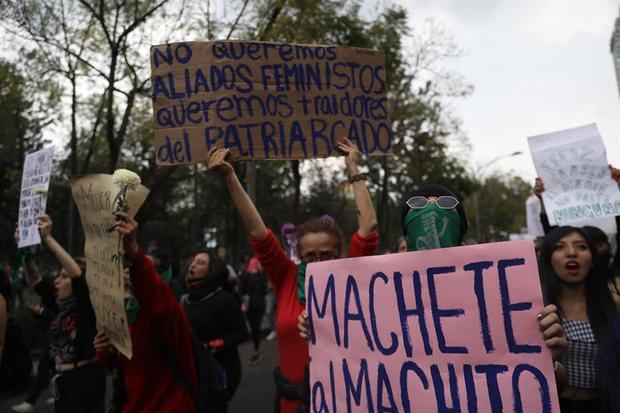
127, 227
217, 161
352, 155
549, 323
44, 223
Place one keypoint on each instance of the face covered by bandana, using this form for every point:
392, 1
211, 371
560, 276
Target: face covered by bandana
432, 227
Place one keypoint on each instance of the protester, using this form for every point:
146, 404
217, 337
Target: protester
214, 314
598, 236
79, 381
574, 281
160, 338
433, 217
318, 240
163, 266
401, 244
253, 288
43, 317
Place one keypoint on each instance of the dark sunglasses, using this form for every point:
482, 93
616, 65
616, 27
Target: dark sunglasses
443, 202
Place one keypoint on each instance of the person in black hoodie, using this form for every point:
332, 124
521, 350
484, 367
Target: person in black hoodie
214, 313
79, 381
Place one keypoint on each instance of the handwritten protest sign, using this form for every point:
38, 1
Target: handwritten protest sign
33, 194
266, 100
433, 331
573, 166
94, 196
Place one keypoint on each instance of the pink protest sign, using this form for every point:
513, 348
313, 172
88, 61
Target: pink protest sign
434, 331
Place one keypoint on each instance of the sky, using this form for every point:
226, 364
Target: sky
536, 66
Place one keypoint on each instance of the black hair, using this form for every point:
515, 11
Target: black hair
218, 271
434, 190
596, 235
600, 308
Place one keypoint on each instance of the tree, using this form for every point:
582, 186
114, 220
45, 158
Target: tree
21, 119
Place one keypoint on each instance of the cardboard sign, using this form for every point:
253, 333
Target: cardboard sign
573, 166
33, 194
94, 196
266, 100
441, 330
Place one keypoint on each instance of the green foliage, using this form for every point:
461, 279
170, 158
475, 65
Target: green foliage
97, 49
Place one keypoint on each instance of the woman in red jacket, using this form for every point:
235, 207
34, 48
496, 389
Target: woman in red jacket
160, 336
318, 240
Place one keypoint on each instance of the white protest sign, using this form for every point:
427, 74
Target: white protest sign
33, 194
573, 166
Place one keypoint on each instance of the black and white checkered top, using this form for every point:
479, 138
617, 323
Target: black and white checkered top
579, 358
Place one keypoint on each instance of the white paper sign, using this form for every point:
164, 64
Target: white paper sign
573, 166
532, 215
33, 194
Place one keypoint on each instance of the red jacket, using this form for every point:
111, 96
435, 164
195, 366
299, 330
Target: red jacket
292, 350
150, 384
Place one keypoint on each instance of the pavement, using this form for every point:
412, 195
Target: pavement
255, 393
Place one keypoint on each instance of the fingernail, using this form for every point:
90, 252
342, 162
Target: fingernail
539, 316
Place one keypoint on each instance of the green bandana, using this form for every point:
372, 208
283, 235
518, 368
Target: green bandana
132, 308
166, 275
301, 281
432, 227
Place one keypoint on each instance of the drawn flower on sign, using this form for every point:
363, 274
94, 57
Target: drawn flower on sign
126, 180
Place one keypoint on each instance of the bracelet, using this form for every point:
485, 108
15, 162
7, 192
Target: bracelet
358, 177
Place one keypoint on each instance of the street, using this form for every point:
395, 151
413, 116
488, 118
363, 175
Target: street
255, 394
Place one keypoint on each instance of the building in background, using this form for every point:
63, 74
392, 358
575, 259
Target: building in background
615, 49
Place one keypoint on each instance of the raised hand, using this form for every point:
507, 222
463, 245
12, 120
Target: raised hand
352, 155
128, 228
44, 223
216, 161
615, 174
539, 187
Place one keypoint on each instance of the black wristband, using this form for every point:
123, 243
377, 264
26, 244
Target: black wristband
358, 177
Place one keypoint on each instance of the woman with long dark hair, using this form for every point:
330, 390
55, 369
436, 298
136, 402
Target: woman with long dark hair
575, 280
79, 380
214, 314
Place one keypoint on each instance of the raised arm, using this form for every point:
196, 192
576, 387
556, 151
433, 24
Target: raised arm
66, 261
29, 269
539, 188
366, 216
216, 160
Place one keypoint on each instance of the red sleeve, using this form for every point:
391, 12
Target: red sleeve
272, 257
363, 246
167, 316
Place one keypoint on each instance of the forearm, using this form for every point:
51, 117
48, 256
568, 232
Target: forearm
366, 216
66, 261
246, 208
31, 274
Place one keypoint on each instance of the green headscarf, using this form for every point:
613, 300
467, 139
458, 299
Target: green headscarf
132, 308
301, 281
432, 227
